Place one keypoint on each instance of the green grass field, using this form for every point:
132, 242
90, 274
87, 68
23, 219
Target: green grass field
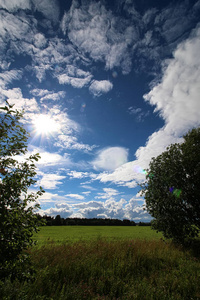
107, 263
70, 234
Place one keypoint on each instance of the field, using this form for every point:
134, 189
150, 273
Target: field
128, 263
69, 234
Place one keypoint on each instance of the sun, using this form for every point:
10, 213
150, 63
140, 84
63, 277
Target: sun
45, 125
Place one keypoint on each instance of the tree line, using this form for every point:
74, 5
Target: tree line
59, 221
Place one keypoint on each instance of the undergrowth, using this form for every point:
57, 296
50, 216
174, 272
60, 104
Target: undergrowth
103, 269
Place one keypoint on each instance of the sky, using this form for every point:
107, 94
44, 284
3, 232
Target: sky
105, 86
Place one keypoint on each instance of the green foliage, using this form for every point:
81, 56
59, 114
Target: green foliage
131, 269
172, 194
17, 206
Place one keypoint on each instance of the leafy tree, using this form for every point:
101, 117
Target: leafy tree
172, 189
58, 220
18, 220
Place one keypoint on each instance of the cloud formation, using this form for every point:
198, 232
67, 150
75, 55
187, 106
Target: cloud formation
122, 209
38, 49
50, 181
111, 158
176, 98
100, 87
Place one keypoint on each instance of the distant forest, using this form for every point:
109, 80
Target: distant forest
58, 221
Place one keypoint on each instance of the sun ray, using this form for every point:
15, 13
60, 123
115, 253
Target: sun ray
45, 125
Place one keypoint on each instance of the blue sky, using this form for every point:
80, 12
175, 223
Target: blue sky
105, 85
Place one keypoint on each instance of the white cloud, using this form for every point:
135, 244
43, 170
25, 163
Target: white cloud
111, 208
49, 159
48, 95
100, 87
12, 93
50, 181
108, 193
78, 78
177, 96
9, 76
39, 92
85, 185
71, 142
51, 198
40, 40
14, 5
90, 204
13, 28
52, 54
54, 211
49, 8
177, 100
95, 31
15, 97
54, 96
122, 209
78, 175
63, 205
138, 113
129, 174
75, 196
81, 175
86, 193
110, 158
75, 82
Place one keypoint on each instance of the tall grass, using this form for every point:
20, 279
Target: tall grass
101, 269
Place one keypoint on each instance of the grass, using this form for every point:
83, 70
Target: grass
109, 268
68, 234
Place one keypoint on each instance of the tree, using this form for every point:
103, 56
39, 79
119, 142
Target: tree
58, 220
172, 189
18, 220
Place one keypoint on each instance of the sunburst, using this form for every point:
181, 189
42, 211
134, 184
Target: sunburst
45, 125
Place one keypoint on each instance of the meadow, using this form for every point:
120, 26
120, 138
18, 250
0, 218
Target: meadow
70, 234
77, 262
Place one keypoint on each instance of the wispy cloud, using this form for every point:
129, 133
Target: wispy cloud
49, 8
15, 5
77, 82
94, 30
52, 198
48, 158
50, 181
9, 76
48, 95
14, 97
75, 196
138, 113
107, 194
